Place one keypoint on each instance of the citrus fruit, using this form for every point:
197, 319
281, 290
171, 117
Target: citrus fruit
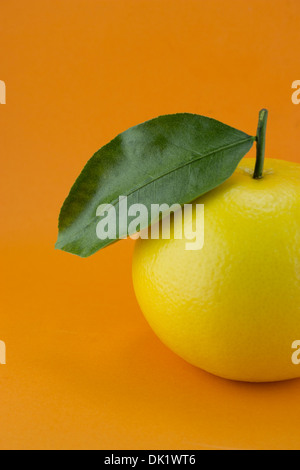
233, 307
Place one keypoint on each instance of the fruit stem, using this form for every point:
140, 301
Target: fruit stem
261, 144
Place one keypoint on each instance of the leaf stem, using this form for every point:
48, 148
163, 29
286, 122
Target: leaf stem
261, 144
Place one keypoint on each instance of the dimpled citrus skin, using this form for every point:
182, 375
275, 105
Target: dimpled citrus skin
232, 308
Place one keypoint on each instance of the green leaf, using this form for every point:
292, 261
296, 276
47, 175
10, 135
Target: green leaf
170, 159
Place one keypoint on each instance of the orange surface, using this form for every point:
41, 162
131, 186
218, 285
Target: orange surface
83, 368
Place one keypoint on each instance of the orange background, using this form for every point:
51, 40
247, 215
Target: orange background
84, 369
